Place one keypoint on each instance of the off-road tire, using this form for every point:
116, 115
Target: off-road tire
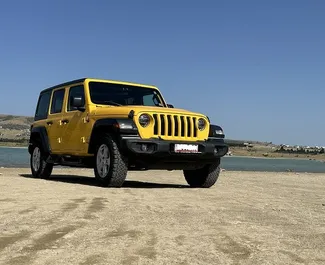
118, 167
204, 177
44, 170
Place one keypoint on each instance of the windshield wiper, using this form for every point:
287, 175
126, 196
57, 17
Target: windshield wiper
112, 103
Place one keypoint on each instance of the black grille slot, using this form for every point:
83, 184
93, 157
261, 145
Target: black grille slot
189, 127
169, 120
176, 125
155, 128
195, 129
182, 126
162, 120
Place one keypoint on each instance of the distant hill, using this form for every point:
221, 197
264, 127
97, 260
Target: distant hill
15, 122
15, 129
232, 142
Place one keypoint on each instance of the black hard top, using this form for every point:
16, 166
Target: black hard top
80, 81
64, 84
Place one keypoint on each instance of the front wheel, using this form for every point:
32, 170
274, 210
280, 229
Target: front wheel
39, 167
110, 165
204, 177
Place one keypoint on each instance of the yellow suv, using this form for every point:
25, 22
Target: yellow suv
115, 126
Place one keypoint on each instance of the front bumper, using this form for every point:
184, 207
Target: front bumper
208, 150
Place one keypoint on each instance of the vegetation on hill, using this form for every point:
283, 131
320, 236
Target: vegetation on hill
14, 130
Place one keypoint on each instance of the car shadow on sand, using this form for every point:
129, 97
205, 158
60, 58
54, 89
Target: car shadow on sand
91, 181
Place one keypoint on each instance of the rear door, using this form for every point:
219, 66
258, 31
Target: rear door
42, 110
55, 121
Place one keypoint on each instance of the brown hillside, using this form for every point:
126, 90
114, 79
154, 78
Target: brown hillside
14, 127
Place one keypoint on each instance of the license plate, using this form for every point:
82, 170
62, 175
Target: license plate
186, 148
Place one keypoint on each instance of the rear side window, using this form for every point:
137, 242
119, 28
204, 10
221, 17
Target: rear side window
43, 106
75, 91
57, 101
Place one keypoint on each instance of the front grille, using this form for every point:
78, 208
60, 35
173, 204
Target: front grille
179, 126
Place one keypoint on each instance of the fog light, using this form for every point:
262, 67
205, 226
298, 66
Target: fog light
219, 132
144, 147
215, 151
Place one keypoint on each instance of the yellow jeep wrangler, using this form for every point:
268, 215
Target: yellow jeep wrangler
115, 126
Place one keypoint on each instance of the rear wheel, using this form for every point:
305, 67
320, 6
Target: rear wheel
204, 177
110, 165
39, 167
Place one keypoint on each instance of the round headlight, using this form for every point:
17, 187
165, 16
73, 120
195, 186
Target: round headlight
144, 120
201, 124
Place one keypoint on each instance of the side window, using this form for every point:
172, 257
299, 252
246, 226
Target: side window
43, 106
75, 91
57, 101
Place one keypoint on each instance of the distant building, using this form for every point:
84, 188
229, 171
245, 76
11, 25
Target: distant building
248, 145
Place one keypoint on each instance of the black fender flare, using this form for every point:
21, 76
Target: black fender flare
117, 126
213, 131
41, 134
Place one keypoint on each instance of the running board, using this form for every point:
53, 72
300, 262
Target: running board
66, 161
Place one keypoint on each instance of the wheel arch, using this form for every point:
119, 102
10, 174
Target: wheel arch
39, 135
113, 126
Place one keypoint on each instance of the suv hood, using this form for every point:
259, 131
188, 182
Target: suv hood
123, 111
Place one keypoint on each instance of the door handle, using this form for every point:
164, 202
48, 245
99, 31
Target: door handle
65, 121
49, 122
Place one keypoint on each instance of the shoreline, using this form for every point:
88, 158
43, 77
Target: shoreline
240, 154
223, 170
14, 147
288, 158
319, 159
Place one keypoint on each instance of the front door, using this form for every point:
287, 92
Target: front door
54, 122
77, 128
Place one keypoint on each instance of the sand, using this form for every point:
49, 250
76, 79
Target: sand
246, 218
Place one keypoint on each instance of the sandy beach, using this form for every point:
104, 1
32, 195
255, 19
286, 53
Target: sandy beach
246, 218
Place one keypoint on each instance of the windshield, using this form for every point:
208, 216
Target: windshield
119, 95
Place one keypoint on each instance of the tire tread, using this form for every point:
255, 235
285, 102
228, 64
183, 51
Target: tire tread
45, 169
205, 177
118, 171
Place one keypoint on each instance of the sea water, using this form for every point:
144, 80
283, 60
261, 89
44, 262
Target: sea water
19, 157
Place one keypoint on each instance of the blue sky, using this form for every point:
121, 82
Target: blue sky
257, 68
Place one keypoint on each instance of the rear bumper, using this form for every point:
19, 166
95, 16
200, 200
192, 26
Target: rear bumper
209, 150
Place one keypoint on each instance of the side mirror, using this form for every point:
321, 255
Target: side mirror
78, 103
170, 106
